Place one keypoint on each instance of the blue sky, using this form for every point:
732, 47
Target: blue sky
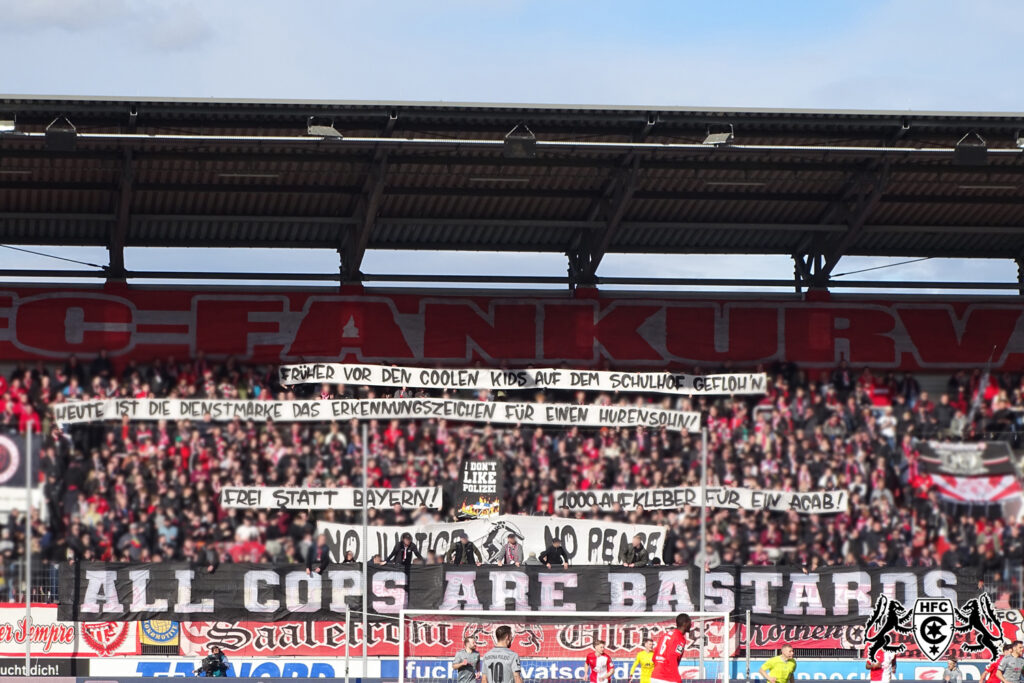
864, 54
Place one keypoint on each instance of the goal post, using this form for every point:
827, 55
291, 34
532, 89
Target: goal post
552, 646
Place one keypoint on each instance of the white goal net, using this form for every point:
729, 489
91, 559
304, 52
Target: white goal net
553, 646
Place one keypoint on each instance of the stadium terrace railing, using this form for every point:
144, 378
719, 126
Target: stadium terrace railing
44, 582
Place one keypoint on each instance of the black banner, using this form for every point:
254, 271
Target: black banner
12, 458
97, 591
481, 488
971, 459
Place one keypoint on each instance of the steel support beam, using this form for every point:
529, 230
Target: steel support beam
353, 242
232, 218
119, 231
861, 200
588, 250
863, 191
816, 163
780, 283
483, 190
614, 211
460, 117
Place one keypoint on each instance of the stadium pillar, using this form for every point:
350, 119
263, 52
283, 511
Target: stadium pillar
747, 644
28, 547
365, 547
703, 512
703, 535
581, 271
810, 271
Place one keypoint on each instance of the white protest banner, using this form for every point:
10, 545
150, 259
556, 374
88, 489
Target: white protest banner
543, 378
76, 412
810, 503
285, 498
585, 541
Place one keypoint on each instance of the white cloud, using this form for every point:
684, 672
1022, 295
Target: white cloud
68, 15
69, 29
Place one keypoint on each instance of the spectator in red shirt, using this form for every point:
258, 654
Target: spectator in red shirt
28, 418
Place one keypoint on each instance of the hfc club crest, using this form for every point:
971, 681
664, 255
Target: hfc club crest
933, 626
934, 622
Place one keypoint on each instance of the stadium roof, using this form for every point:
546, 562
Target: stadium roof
815, 185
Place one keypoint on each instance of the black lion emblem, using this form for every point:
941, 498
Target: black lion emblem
887, 618
979, 615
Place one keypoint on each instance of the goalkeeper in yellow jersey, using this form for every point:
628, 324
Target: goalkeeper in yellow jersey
644, 660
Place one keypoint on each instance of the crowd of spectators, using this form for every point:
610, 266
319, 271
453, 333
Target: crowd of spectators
148, 491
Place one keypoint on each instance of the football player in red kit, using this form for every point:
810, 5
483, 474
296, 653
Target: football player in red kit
599, 664
668, 652
989, 676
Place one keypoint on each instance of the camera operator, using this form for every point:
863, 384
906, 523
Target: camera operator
214, 665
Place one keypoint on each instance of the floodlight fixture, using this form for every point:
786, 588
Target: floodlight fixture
1019, 140
970, 150
322, 130
720, 138
520, 143
7, 124
61, 135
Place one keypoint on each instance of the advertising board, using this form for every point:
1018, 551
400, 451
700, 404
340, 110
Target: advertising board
240, 667
807, 669
53, 638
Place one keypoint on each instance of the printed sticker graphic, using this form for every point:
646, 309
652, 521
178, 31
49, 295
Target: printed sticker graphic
158, 632
979, 615
888, 619
481, 487
104, 637
933, 626
934, 623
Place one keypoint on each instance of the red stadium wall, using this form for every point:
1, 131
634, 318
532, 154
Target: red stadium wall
262, 325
